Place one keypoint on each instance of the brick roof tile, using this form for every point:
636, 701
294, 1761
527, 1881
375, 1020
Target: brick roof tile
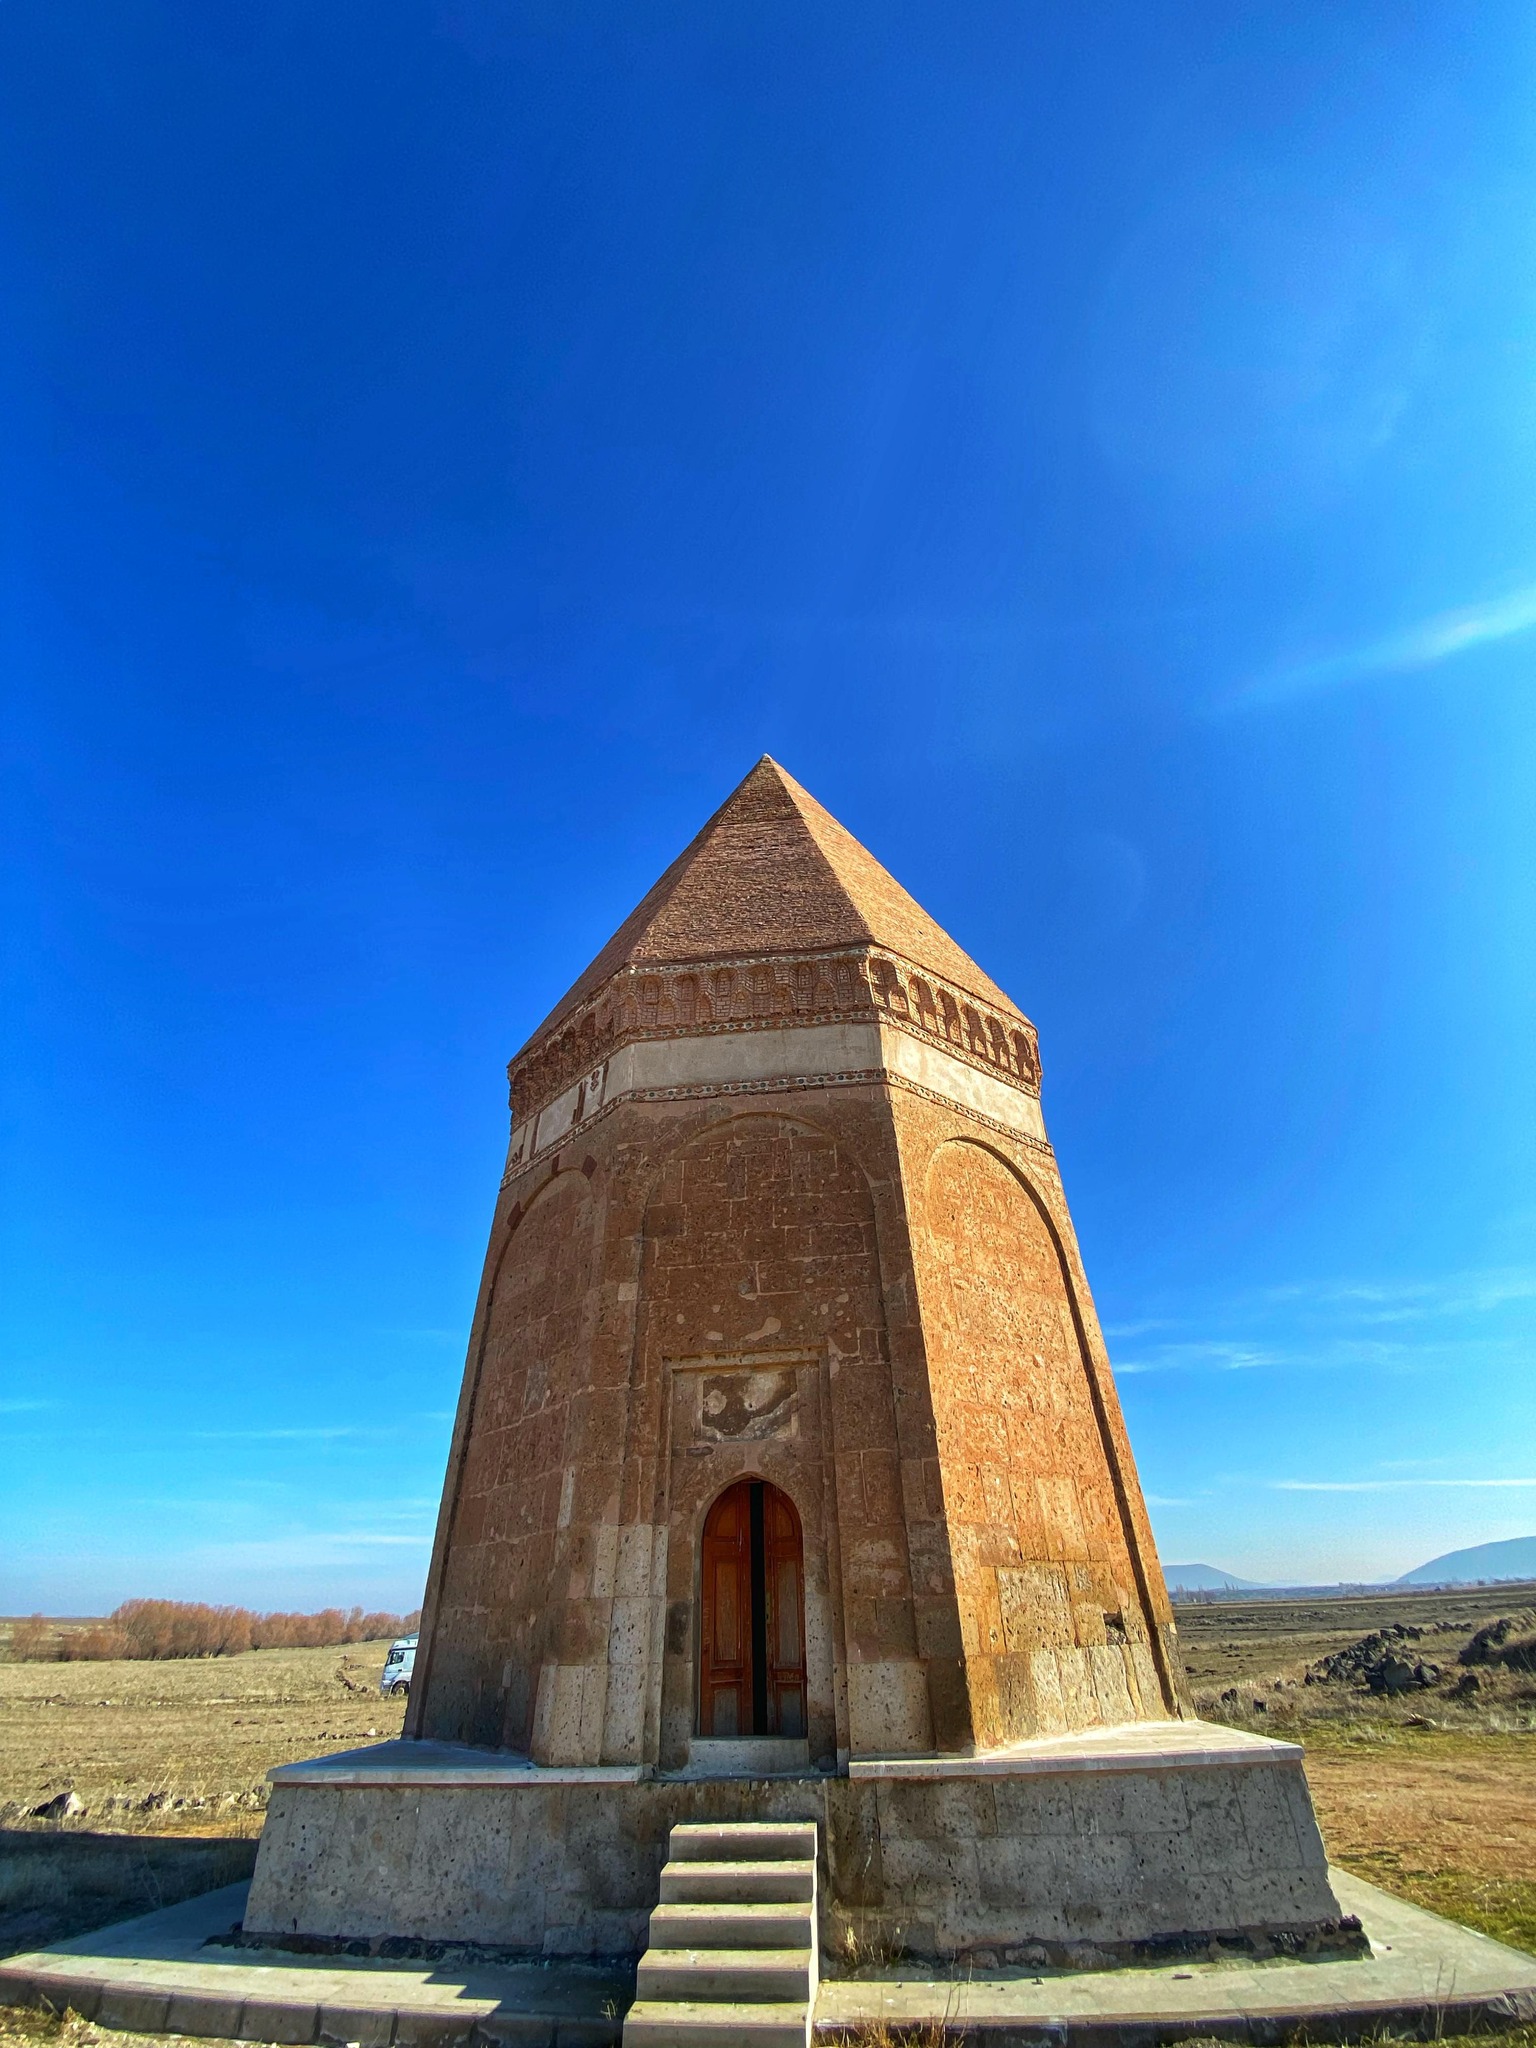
772, 872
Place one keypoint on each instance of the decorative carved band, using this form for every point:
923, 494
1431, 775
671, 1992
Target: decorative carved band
863, 1077
757, 994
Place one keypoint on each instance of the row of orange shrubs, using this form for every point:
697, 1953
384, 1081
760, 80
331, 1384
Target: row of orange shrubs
187, 1628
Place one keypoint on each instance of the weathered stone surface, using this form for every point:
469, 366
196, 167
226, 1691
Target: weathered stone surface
858, 1283
779, 1208
938, 1867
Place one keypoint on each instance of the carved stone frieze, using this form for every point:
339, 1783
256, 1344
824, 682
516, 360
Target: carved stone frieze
767, 993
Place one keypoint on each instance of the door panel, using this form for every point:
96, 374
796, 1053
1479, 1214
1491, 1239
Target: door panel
725, 1675
784, 1582
729, 1626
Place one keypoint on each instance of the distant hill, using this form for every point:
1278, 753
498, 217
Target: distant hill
1515, 1559
1205, 1578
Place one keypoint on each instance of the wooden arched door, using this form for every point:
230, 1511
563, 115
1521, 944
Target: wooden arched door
752, 1627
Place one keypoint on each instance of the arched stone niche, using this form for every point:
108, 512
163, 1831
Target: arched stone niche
1051, 1619
499, 1617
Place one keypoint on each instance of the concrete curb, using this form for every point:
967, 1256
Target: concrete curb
1425, 1978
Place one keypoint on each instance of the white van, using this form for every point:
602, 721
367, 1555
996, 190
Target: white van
398, 1666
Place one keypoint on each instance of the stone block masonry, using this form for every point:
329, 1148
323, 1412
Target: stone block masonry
1093, 1850
779, 1205
787, 1429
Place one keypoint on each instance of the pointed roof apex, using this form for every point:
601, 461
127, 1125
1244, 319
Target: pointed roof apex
772, 872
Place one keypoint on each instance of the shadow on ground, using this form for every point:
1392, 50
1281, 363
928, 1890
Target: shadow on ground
56, 1882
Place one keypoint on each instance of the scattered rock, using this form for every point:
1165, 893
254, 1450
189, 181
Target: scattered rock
1465, 1686
1394, 1675
1353, 1664
1230, 1697
62, 1806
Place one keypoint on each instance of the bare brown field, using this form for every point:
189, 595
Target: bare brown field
169, 1761
1242, 1642
184, 1745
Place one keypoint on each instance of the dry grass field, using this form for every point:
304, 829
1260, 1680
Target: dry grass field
170, 1762
184, 1745
1429, 1795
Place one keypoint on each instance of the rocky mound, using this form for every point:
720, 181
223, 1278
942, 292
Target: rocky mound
1510, 1641
1375, 1660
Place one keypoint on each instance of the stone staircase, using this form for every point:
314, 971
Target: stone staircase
732, 1960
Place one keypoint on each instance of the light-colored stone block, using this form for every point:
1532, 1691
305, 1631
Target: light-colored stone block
888, 1708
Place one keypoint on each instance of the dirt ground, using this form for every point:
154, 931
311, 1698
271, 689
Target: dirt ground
183, 1745
1243, 1642
170, 1762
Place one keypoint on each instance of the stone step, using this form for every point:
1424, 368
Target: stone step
733, 1955
746, 1841
756, 1883
757, 1756
734, 1976
721, 1925
667, 2023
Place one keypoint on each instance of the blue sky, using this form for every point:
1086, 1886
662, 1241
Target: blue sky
1093, 449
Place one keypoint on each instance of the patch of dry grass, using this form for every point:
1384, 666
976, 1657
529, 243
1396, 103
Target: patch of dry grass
1431, 1797
28, 2027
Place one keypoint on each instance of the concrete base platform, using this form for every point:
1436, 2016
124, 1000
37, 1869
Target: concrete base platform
1424, 1978
1120, 1845
169, 1972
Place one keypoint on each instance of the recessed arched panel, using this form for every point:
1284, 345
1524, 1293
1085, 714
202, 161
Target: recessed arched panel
1049, 1590
497, 1584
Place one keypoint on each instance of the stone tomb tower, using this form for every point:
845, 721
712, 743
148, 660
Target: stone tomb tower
789, 1483
786, 1417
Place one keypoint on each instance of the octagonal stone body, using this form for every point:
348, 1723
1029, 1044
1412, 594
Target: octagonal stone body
779, 1204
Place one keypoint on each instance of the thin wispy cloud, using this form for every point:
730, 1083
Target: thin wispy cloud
310, 1548
1446, 1294
265, 1436
1463, 1317
320, 1433
1387, 1485
1213, 1355
1425, 645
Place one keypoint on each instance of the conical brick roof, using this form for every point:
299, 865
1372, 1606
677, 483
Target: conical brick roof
772, 872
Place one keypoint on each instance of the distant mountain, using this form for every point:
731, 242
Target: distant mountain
1205, 1578
1515, 1559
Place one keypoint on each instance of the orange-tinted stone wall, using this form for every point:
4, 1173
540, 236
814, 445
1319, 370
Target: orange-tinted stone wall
495, 1613
1060, 1605
764, 1350
825, 1290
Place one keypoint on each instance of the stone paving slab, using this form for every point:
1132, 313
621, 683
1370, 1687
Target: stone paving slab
1126, 1746
159, 1974
1425, 1977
